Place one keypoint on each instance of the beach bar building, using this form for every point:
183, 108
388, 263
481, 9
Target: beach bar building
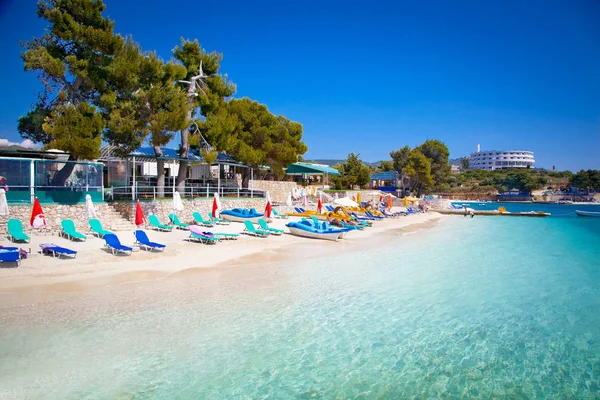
135, 175
386, 181
26, 174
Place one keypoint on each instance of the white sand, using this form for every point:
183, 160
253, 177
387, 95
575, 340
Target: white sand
94, 267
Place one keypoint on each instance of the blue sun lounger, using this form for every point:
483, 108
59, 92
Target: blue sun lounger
144, 242
10, 254
56, 251
114, 245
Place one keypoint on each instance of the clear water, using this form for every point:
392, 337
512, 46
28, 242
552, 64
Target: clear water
557, 210
487, 307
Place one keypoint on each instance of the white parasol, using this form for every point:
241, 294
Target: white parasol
90, 210
177, 204
346, 202
3, 204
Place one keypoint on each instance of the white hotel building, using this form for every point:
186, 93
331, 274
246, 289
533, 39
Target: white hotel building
494, 159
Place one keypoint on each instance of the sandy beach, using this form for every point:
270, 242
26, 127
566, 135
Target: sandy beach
41, 276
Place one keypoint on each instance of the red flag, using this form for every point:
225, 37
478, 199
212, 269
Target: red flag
320, 205
268, 207
37, 215
140, 219
216, 206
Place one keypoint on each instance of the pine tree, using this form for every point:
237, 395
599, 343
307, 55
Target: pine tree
71, 60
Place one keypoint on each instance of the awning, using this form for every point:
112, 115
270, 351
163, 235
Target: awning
301, 168
147, 154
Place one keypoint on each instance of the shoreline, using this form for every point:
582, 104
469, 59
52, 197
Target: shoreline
42, 278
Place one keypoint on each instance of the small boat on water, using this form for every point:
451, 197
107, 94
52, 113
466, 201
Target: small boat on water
587, 213
241, 215
310, 229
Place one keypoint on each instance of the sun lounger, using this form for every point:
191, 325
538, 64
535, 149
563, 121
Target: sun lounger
278, 215
201, 221
113, 244
69, 231
10, 254
156, 225
265, 227
226, 236
196, 235
97, 229
177, 223
251, 230
15, 231
349, 226
218, 221
144, 242
373, 216
55, 250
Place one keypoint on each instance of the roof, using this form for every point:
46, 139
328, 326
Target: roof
24, 152
169, 154
385, 176
301, 168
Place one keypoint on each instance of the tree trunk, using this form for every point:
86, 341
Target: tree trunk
160, 173
246, 178
61, 176
185, 142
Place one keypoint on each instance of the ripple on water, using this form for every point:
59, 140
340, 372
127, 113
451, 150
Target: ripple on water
475, 309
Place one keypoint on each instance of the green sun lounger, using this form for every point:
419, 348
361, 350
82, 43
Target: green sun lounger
203, 238
265, 227
251, 230
196, 235
218, 221
227, 236
177, 223
155, 224
97, 229
201, 221
70, 232
279, 215
15, 231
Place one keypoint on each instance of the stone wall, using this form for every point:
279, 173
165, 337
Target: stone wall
120, 215
55, 213
278, 190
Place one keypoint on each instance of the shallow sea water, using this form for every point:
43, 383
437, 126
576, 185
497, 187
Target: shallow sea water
486, 307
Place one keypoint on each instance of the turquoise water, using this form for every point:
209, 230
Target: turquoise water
557, 210
487, 307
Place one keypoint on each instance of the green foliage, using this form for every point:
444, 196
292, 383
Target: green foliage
75, 129
209, 156
386, 166
30, 125
142, 99
353, 172
261, 138
437, 153
418, 169
71, 60
510, 179
400, 158
464, 163
586, 179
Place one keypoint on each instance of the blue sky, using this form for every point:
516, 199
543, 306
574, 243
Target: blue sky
370, 77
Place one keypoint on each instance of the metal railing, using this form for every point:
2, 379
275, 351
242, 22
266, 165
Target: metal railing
189, 192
